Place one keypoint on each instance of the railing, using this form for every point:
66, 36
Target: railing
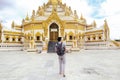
95, 45
69, 43
39, 46
6, 46
98, 46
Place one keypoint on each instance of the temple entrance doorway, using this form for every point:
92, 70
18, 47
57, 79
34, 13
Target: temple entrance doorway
53, 35
54, 32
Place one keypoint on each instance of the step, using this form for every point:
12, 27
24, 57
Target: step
51, 47
31, 50
75, 49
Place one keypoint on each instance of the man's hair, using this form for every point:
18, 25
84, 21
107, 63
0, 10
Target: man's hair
59, 39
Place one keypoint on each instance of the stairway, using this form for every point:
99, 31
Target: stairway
51, 47
116, 43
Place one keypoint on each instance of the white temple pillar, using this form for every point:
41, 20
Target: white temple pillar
3, 38
97, 38
22, 39
86, 39
16, 39
10, 39
91, 38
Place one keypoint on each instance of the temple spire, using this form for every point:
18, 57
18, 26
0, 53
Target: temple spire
94, 23
105, 23
81, 17
106, 30
75, 14
55, 1
13, 24
27, 17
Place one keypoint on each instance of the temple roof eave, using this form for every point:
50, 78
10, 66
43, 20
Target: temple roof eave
11, 33
93, 30
33, 22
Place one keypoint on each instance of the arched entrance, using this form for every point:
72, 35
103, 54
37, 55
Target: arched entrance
53, 35
54, 32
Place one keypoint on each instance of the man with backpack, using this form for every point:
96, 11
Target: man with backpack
60, 50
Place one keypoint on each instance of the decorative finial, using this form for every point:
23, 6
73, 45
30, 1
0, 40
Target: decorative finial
13, 24
81, 17
59, 1
23, 21
39, 8
94, 23
75, 14
107, 31
27, 18
105, 23
54, 2
70, 10
33, 13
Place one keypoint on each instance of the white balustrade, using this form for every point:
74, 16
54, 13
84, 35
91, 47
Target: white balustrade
6, 46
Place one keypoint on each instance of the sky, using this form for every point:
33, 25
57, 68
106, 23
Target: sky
97, 10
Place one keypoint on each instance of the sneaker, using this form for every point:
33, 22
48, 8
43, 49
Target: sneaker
63, 75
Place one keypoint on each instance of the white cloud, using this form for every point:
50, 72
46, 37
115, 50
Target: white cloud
110, 9
82, 7
19, 10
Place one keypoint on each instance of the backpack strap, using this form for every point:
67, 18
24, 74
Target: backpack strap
59, 44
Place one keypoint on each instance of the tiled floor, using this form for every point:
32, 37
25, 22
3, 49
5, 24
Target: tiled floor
83, 65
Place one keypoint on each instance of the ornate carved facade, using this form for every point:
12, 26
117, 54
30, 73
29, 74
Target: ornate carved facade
52, 20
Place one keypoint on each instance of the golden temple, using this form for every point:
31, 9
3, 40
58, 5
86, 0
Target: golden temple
50, 21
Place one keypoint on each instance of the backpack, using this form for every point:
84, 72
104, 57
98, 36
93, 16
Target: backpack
60, 50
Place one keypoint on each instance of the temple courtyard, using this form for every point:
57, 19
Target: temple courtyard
83, 65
